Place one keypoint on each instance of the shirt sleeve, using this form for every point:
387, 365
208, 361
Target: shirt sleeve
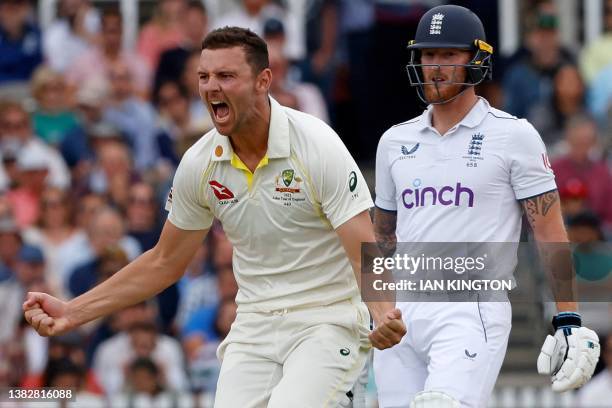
343, 189
385, 187
530, 170
186, 209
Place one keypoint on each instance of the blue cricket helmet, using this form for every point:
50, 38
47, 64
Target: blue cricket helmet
451, 26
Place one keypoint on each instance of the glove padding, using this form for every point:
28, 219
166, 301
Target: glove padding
569, 357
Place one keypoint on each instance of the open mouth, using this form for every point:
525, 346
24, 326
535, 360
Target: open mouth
438, 80
221, 110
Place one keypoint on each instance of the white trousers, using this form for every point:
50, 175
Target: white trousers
454, 347
306, 358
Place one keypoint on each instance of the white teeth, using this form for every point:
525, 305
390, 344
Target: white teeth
216, 102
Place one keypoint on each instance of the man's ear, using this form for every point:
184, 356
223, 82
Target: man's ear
263, 81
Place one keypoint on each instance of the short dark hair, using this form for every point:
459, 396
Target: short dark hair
112, 11
255, 48
144, 363
196, 5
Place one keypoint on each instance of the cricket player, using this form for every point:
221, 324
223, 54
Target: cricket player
295, 207
461, 172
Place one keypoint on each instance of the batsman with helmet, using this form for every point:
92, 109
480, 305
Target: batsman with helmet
471, 173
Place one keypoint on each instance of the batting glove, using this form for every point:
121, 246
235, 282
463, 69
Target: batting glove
571, 355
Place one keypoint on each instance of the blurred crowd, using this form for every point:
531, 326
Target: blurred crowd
91, 133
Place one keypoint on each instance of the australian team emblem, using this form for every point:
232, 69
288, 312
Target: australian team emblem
288, 182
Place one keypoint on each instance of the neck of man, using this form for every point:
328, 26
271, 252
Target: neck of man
447, 115
250, 141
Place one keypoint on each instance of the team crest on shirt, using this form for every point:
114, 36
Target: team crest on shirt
288, 182
288, 188
474, 150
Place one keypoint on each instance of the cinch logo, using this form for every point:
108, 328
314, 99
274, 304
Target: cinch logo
221, 192
420, 197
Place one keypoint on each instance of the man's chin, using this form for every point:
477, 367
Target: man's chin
442, 97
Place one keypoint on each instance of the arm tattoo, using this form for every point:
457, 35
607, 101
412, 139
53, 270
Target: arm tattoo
384, 230
539, 205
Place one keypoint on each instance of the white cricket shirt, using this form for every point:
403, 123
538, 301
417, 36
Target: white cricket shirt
281, 218
463, 186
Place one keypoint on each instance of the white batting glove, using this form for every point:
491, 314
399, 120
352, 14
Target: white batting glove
571, 355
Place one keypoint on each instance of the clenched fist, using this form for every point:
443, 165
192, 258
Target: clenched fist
46, 314
389, 331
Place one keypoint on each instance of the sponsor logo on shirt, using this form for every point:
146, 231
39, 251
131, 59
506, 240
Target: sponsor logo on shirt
222, 193
352, 181
470, 356
457, 196
408, 153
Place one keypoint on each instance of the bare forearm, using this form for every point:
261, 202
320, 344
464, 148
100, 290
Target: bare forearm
385, 301
138, 281
544, 216
353, 235
384, 230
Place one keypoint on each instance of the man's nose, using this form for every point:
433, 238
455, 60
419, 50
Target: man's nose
211, 85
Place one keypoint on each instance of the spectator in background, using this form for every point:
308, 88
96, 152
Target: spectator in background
72, 34
106, 229
11, 291
113, 172
79, 145
598, 54
142, 215
65, 374
32, 172
120, 322
13, 360
147, 388
321, 26
200, 323
142, 340
16, 133
568, 97
579, 163
204, 366
574, 195
529, 80
55, 233
52, 118
596, 66
599, 389
65, 347
28, 275
173, 61
10, 244
94, 64
190, 80
357, 18
20, 42
181, 129
144, 226
198, 285
274, 34
134, 117
111, 259
298, 95
253, 14
163, 32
